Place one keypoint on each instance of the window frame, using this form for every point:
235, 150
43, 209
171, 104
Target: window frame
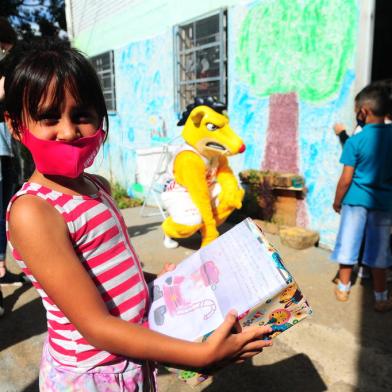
179, 100
102, 74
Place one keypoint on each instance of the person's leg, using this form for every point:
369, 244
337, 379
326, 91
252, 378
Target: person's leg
345, 273
363, 270
377, 256
7, 188
347, 247
379, 280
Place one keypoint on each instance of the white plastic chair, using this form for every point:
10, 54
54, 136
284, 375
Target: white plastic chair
159, 177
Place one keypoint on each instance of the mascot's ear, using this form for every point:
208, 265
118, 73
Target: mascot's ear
197, 115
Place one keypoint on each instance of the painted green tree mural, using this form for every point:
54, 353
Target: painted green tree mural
290, 49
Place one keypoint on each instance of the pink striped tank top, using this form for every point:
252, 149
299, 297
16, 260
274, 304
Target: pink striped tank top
99, 235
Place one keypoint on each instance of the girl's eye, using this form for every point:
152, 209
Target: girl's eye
84, 117
49, 120
211, 127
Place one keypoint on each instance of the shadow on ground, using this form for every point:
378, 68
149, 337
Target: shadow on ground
376, 345
22, 323
33, 387
295, 374
139, 230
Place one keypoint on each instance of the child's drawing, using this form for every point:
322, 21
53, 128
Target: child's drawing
175, 302
208, 274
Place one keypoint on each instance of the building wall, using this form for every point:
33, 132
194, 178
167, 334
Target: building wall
288, 96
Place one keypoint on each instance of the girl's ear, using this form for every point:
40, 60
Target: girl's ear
14, 133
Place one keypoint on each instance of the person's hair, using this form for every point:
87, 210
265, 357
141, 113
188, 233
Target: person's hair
211, 102
377, 97
31, 68
7, 33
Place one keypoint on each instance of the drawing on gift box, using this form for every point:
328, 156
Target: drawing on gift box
279, 316
253, 318
290, 296
278, 319
175, 302
301, 308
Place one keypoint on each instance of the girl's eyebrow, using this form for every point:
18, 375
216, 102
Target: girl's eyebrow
82, 107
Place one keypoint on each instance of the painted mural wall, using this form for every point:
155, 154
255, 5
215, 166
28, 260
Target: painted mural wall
291, 79
145, 115
291, 76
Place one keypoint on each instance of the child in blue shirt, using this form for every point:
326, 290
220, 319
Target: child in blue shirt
364, 196
341, 132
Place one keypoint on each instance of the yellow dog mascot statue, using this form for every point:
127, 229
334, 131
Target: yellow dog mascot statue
203, 190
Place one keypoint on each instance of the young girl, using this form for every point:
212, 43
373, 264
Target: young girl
69, 238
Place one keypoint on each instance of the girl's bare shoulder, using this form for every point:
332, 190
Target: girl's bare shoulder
32, 213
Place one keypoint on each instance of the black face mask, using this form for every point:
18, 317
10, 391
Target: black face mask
360, 123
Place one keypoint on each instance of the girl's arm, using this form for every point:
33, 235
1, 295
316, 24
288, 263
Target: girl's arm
40, 235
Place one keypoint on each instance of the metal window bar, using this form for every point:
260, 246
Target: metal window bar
223, 56
201, 80
200, 47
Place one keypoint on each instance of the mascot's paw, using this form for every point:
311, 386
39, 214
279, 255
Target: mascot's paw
206, 241
232, 199
209, 236
169, 243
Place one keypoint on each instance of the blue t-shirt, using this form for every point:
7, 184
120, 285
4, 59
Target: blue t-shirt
370, 153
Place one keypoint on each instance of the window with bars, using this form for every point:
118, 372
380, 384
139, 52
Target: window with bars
104, 66
200, 66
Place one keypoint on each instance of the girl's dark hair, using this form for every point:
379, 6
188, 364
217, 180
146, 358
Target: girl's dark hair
31, 68
378, 96
7, 33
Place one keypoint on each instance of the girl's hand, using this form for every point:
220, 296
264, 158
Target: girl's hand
224, 346
166, 268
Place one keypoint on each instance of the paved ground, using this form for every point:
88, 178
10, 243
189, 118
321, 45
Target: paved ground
344, 347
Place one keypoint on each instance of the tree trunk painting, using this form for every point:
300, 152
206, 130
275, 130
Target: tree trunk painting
281, 152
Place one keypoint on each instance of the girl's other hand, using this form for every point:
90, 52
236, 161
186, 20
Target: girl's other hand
166, 268
224, 346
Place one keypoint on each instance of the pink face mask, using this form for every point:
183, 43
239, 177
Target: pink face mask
59, 158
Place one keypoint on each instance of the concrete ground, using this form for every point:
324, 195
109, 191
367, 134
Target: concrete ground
343, 347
